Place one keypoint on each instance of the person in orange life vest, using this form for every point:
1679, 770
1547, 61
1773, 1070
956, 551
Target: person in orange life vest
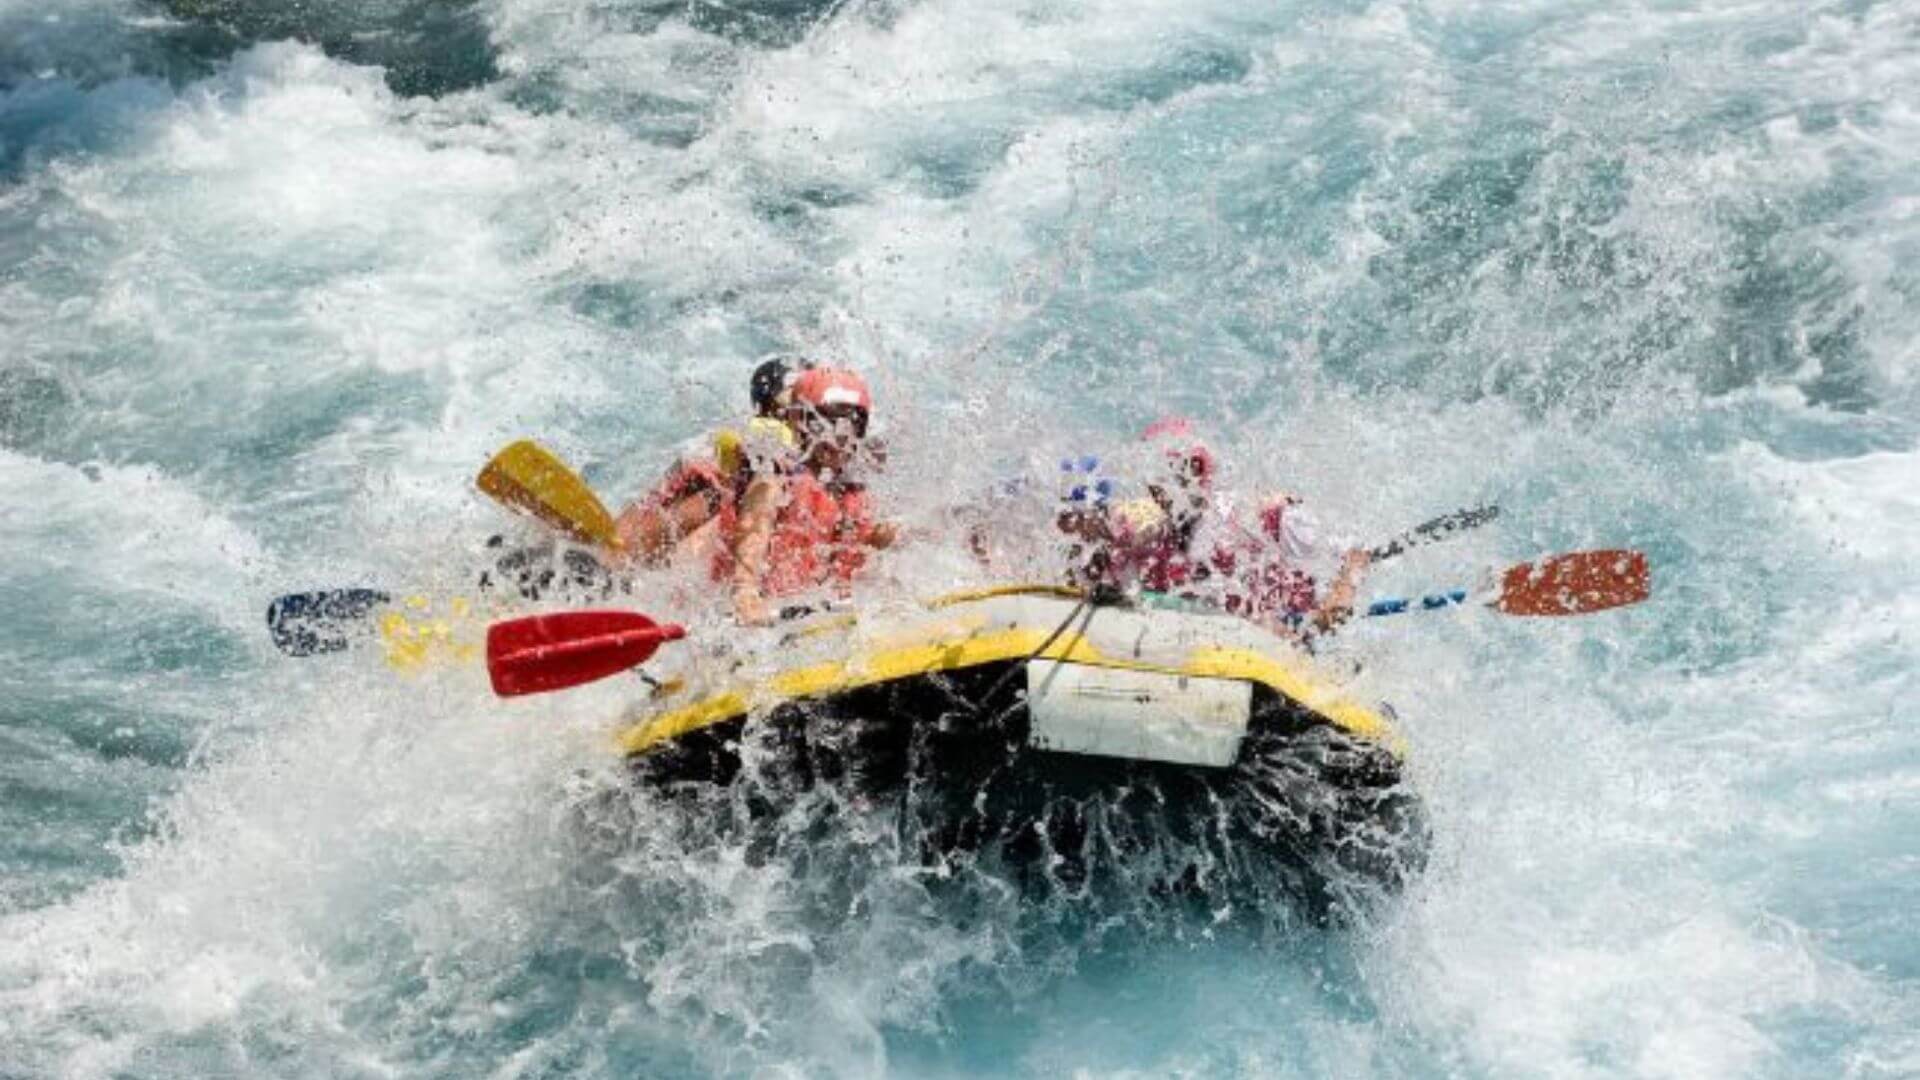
808, 525
700, 490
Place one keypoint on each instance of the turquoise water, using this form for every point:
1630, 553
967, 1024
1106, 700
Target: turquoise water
274, 280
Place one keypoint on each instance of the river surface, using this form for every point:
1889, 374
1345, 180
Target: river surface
275, 278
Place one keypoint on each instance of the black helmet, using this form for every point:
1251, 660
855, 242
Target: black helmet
772, 379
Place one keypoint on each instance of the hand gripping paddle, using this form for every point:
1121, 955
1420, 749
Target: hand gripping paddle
539, 653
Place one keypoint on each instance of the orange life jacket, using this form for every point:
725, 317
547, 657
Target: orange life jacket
820, 536
723, 475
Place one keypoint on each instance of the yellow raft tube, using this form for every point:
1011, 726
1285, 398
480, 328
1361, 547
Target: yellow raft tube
836, 653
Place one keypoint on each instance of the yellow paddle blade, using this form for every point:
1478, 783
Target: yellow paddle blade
526, 476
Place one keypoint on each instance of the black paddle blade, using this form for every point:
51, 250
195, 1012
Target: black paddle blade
312, 623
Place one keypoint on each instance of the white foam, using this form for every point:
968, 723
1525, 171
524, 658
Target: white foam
357, 845
128, 531
390, 815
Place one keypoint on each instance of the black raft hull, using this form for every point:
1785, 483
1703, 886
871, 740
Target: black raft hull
1292, 801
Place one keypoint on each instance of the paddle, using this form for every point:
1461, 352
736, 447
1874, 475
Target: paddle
311, 623
552, 652
1579, 583
1438, 529
526, 476
538, 653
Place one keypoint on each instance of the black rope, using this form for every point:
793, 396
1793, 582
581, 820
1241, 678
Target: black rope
1094, 597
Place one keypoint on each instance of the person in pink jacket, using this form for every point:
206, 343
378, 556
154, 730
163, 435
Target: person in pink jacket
1184, 540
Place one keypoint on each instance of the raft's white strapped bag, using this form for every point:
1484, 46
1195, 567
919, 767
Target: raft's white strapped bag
1141, 715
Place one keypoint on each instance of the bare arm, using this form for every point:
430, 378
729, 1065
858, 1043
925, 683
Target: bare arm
757, 509
685, 499
642, 533
1337, 606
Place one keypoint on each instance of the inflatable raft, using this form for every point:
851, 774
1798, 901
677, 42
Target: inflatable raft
1030, 726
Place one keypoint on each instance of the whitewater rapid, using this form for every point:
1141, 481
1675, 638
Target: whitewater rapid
274, 281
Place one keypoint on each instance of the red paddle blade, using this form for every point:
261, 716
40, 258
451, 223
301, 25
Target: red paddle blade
1575, 584
552, 652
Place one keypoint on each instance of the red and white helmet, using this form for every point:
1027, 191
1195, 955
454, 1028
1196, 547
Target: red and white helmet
824, 386
1186, 453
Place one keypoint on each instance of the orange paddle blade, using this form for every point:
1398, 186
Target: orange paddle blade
539, 653
1575, 584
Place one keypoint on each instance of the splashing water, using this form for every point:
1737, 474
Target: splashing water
274, 280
